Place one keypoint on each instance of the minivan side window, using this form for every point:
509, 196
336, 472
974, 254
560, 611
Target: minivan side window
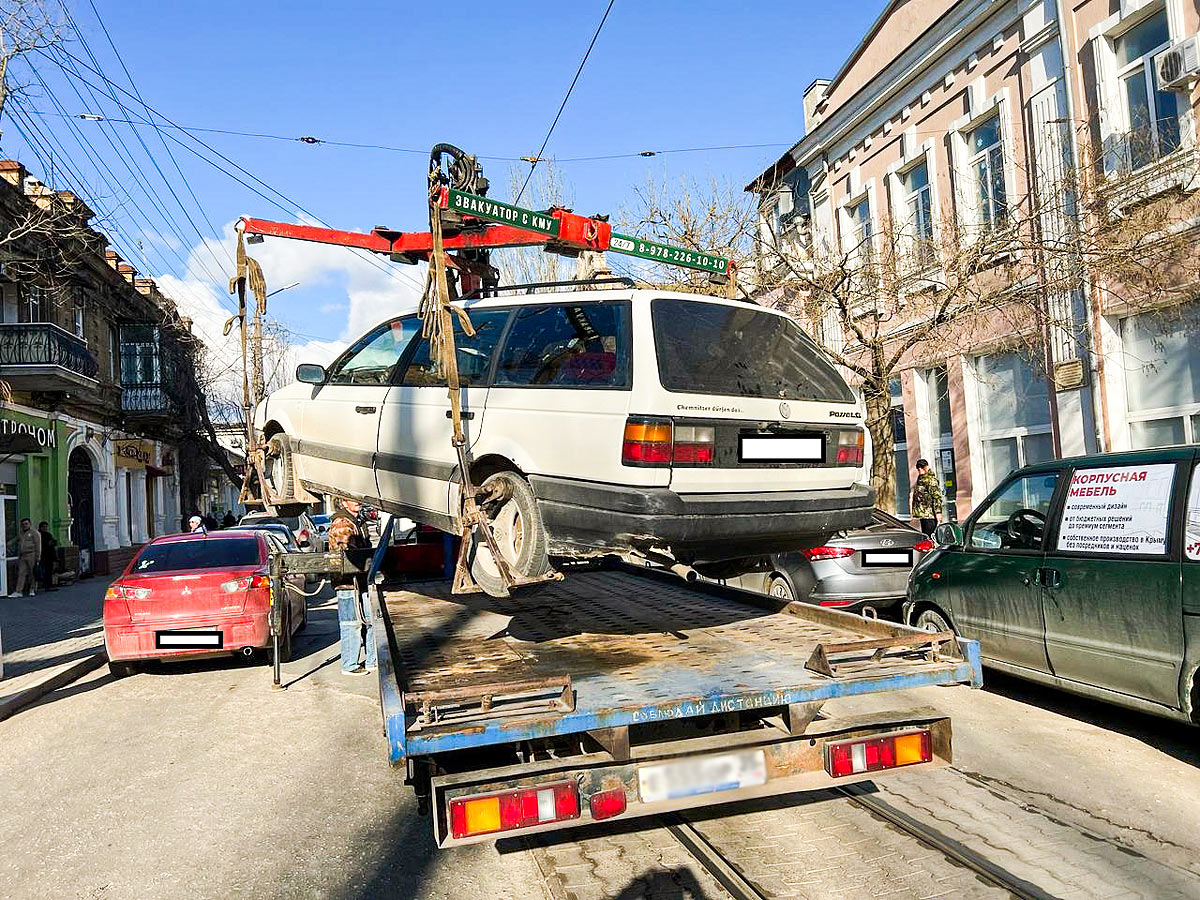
577, 345
373, 357
474, 352
1016, 517
1191, 528
1118, 510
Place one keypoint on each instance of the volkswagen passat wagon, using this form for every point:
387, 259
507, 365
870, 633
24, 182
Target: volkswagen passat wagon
597, 421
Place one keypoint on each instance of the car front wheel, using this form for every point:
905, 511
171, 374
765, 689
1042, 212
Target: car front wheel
279, 471
518, 530
932, 620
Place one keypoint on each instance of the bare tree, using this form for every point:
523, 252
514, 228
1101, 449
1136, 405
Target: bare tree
26, 26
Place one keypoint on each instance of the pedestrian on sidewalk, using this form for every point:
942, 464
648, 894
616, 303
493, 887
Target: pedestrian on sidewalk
49, 558
927, 498
29, 549
348, 531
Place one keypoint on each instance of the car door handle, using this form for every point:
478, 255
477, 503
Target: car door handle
1026, 580
1049, 578
365, 410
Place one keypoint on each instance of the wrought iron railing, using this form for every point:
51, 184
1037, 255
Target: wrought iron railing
44, 344
146, 398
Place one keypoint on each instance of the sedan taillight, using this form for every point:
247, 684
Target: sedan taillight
923, 546
818, 553
126, 592
245, 583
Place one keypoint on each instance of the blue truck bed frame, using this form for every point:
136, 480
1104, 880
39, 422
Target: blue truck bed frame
618, 665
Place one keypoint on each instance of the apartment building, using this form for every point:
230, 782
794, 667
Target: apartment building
98, 428
955, 123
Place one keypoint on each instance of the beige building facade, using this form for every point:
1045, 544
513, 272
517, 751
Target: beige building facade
967, 118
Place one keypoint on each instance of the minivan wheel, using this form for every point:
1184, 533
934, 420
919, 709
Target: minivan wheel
518, 530
932, 620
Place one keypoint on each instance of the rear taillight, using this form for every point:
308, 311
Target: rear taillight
511, 810
607, 804
874, 754
818, 553
245, 583
303, 537
126, 592
850, 447
647, 442
923, 546
659, 442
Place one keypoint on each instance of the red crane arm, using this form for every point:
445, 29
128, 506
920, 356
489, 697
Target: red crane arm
381, 240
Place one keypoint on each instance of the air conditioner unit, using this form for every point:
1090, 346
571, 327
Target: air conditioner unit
1178, 65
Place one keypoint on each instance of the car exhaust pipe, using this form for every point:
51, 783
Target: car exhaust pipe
247, 652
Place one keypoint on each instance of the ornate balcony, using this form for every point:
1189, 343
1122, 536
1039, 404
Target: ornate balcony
40, 356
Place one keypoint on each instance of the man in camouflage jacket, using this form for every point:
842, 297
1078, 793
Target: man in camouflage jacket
927, 497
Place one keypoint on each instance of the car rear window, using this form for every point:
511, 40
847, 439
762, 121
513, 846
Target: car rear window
740, 351
217, 553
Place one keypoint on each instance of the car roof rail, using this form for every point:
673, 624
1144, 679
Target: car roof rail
533, 286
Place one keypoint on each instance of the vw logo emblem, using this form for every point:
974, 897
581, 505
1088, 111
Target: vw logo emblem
785, 410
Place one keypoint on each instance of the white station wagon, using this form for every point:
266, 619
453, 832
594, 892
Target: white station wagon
598, 421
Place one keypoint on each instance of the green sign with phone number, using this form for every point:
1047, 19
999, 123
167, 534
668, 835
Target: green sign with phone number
665, 253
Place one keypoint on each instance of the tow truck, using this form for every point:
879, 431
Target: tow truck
616, 692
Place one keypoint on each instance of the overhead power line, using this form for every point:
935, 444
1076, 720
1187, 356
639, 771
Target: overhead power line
537, 156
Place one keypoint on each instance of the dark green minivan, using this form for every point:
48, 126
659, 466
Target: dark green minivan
1080, 573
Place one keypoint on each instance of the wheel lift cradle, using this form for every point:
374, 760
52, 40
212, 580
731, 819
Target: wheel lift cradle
604, 678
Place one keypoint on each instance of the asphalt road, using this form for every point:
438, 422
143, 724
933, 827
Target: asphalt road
199, 781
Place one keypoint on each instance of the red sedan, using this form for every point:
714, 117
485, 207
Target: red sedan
194, 595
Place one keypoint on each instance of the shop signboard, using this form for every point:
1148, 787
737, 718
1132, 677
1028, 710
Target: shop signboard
27, 435
133, 454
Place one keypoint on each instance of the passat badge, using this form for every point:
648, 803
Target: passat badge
785, 410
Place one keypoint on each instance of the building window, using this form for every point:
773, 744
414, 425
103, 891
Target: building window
114, 353
1152, 114
985, 168
35, 304
939, 447
1162, 376
1014, 414
79, 311
900, 436
916, 210
860, 244
139, 355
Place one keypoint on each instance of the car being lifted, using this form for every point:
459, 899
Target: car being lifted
597, 422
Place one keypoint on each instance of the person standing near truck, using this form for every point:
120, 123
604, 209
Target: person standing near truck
927, 498
29, 548
348, 531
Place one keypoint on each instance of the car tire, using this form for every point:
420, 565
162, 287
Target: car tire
280, 474
121, 669
285, 643
780, 588
518, 529
932, 620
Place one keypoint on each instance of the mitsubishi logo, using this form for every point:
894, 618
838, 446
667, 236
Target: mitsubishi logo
186, 592
785, 410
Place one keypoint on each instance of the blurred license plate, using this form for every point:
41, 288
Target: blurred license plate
211, 639
887, 558
782, 448
707, 775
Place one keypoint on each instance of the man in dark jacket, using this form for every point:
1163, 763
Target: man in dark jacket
49, 560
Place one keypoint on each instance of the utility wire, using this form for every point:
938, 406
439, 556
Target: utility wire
538, 156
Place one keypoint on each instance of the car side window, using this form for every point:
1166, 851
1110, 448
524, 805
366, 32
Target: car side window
1015, 519
373, 357
1121, 510
581, 345
1191, 527
474, 353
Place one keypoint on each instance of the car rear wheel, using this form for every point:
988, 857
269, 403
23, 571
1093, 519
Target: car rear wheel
518, 530
121, 669
932, 620
781, 589
280, 474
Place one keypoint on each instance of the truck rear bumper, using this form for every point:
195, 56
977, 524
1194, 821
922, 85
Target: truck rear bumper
789, 764
580, 514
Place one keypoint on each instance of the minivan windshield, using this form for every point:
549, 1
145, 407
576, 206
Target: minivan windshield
217, 553
739, 351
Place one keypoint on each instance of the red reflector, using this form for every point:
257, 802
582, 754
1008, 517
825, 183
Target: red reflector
818, 553
851, 455
644, 452
838, 602
923, 546
607, 804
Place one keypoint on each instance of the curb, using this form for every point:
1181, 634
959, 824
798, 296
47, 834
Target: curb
64, 676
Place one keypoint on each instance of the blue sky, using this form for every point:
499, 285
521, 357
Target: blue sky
485, 76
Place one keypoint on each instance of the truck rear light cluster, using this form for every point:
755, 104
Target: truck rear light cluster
815, 554
510, 810
875, 754
660, 442
850, 447
126, 592
246, 583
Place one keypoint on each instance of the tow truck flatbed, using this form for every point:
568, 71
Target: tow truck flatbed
609, 670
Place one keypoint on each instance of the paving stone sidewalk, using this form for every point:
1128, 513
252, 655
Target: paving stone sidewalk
45, 635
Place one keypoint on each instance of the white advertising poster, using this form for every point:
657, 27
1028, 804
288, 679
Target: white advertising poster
1120, 509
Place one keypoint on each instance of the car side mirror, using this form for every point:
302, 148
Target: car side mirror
948, 534
310, 373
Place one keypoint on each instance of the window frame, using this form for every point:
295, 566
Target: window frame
990, 221
1053, 511
360, 345
625, 308
1188, 412
1018, 432
962, 158
406, 358
1146, 63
